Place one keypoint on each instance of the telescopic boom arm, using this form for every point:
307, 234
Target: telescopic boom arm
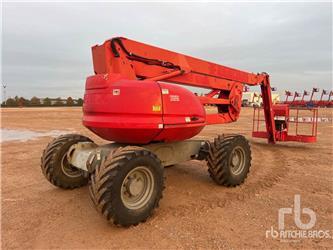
135, 60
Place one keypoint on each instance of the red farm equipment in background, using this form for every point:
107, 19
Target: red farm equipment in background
294, 101
314, 90
322, 102
329, 101
134, 100
311, 102
303, 102
287, 94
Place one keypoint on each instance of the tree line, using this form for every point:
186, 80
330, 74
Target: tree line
41, 102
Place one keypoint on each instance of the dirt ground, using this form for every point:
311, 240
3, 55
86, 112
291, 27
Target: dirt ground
194, 212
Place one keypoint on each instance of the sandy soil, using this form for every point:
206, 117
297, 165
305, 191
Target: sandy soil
194, 212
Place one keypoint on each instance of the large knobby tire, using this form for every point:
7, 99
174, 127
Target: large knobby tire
55, 165
128, 185
229, 160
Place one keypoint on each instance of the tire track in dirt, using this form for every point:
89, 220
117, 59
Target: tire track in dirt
269, 166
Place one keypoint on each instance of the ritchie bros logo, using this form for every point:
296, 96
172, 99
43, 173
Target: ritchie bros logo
304, 231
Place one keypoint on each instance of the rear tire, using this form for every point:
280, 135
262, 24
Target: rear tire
229, 160
128, 185
55, 166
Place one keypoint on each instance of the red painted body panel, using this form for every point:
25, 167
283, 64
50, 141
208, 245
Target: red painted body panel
130, 111
179, 104
282, 112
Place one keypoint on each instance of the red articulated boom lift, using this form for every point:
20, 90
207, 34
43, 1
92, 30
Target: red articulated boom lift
314, 90
287, 94
134, 100
294, 101
329, 101
321, 102
303, 102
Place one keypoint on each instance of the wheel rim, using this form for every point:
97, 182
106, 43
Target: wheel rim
68, 169
237, 160
137, 187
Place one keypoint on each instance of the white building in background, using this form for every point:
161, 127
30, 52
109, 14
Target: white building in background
254, 98
53, 101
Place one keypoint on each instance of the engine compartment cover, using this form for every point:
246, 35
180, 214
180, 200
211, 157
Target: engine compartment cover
140, 112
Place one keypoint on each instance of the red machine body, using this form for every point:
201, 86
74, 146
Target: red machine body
133, 96
130, 111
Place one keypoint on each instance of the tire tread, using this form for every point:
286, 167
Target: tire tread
49, 159
102, 180
217, 159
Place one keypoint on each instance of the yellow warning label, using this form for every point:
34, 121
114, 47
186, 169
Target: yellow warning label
156, 108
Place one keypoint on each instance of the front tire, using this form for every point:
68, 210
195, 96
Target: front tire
127, 186
229, 160
56, 167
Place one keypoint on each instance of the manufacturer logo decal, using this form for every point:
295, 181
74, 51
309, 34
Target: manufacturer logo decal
174, 98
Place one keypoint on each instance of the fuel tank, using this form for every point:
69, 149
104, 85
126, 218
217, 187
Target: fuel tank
140, 112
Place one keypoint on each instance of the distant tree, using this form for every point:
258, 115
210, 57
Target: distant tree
10, 102
22, 102
47, 102
35, 101
16, 98
69, 101
80, 102
59, 102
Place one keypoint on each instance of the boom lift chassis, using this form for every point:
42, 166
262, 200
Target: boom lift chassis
126, 177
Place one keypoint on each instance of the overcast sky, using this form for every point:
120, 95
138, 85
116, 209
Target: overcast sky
46, 46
